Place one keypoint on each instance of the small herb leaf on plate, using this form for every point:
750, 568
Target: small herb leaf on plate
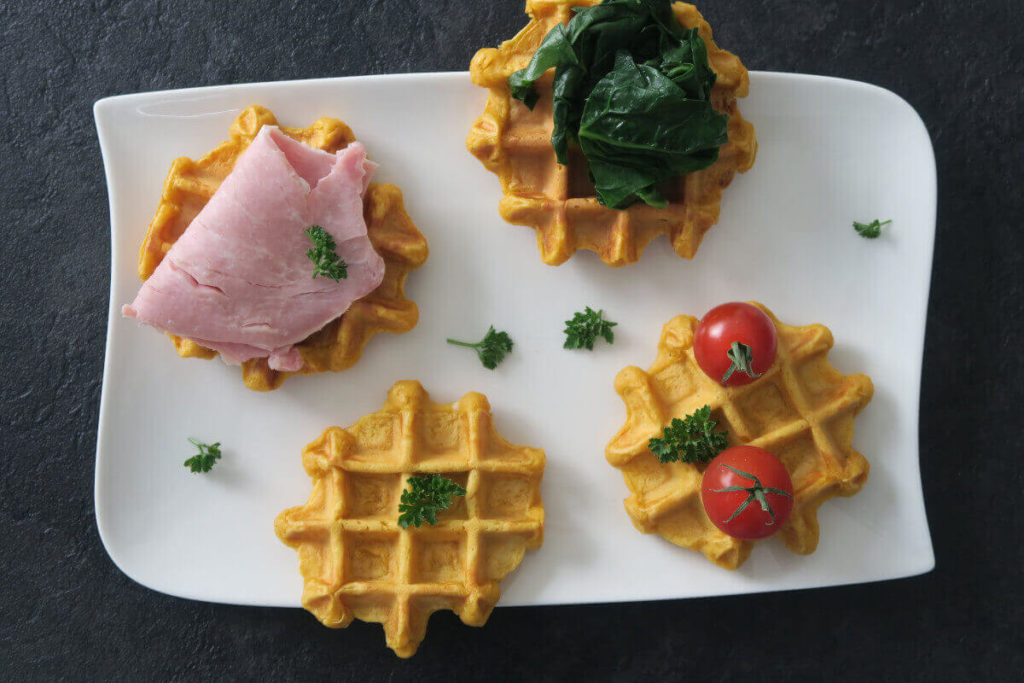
491, 349
583, 330
870, 230
205, 459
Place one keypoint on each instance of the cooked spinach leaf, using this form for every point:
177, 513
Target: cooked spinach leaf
639, 129
633, 89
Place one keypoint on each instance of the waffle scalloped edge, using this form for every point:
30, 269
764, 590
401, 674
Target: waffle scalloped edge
339, 344
358, 563
802, 410
558, 201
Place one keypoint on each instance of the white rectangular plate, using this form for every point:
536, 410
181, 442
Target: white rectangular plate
831, 152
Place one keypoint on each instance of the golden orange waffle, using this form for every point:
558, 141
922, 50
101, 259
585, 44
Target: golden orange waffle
358, 563
802, 410
559, 201
339, 344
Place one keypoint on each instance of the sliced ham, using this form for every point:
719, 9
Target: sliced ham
238, 280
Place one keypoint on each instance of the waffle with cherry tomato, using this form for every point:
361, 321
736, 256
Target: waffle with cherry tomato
779, 421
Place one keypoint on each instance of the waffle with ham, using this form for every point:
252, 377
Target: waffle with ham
802, 410
339, 344
559, 201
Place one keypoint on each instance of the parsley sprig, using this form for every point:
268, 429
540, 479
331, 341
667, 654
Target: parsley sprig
324, 255
691, 440
583, 330
491, 349
204, 460
424, 498
870, 230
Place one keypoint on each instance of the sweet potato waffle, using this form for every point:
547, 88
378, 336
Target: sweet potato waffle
358, 563
559, 201
339, 344
802, 410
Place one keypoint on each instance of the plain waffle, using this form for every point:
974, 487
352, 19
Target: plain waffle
358, 563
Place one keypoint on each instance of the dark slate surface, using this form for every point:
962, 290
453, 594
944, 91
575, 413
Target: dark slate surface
67, 612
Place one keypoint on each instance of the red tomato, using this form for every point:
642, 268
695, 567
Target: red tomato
747, 492
742, 324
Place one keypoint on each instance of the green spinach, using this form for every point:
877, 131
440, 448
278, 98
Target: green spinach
632, 88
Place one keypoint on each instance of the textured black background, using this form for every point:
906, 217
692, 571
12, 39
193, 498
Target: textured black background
67, 612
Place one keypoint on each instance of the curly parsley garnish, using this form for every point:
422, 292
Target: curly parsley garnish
585, 328
205, 459
323, 254
870, 230
491, 349
424, 498
691, 440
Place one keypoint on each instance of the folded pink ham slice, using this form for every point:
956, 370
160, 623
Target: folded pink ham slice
238, 280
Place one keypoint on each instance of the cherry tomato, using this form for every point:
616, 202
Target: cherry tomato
747, 492
735, 343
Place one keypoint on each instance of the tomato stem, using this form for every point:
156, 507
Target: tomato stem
742, 357
756, 492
